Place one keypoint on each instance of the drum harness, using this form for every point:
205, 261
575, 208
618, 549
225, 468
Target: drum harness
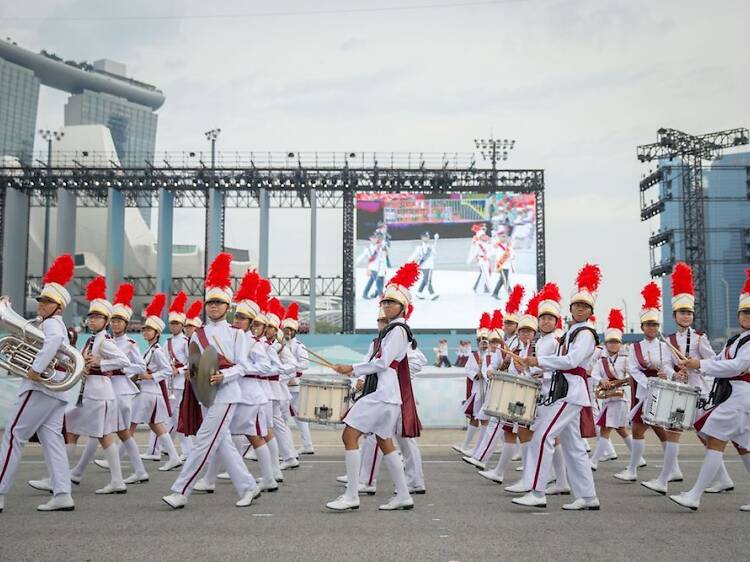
371, 380
559, 387
721, 390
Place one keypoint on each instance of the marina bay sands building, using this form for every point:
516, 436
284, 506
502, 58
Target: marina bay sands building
101, 94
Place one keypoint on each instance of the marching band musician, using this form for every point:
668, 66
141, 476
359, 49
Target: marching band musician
728, 419
686, 342
189, 416
379, 409
96, 413
39, 410
569, 415
284, 367
152, 406
193, 318
125, 389
610, 372
692, 343
290, 325
474, 397
527, 328
424, 255
492, 362
251, 420
214, 437
177, 351
649, 358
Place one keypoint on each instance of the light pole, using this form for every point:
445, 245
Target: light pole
493, 150
726, 305
48, 136
214, 208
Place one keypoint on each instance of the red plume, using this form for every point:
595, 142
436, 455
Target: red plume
292, 311
589, 278
682, 279
220, 272
275, 307
514, 299
178, 303
124, 294
551, 292
485, 322
497, 320
651, 294
406, 275
592, 318
156, 306
616, 320
96, 289
746, 286
261, 296
61, 270
532, 307
195, 309
248, 287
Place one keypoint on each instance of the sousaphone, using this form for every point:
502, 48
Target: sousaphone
202, 366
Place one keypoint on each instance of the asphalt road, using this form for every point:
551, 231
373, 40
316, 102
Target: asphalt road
462, 517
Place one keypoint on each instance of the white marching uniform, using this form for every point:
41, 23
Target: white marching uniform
562, 419
152, 404
213, 437
41, 411
379, 411
645, 358
125, 389
475, 370
730, 420
693, 344
301, 357
251, 417
283, 368
97, 415
177, 352
614, 411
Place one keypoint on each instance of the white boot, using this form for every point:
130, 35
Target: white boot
61, 502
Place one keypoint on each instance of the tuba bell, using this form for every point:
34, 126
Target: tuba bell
23, 341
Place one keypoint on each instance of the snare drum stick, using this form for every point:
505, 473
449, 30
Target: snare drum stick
320, 363
676, 351
320, 358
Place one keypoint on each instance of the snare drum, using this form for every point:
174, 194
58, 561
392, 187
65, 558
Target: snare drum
324, 398
512, 399
670, 405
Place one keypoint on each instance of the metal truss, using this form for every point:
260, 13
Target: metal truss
692, 150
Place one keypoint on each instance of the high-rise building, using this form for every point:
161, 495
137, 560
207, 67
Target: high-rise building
727, 216
19, 97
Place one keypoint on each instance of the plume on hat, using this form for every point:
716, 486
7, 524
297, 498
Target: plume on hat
96, 289
156, 306
61, 270
124, 294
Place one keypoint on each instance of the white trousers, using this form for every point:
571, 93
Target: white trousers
214, 439
371, 456
559, 420
486, 447
302, 426
36, 412
282, 431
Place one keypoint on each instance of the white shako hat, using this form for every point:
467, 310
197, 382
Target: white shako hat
651, 310
615, 326
96, 294
58, 275
154, 311
122, 307
683, 290
219, 279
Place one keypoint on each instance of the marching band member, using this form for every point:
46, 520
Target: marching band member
476, 369
474, 399
251, 421
689, 343
729, 417
152, 406
213, 436
125, 389
290, 325
193, 318
648, 358
611, 372
503, 262
96, 413
284, 367
379, 409
549, 314
424, 255
177, 351
462, 354
493, 362
39, 410
569, 415
190, 417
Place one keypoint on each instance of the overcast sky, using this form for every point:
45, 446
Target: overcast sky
578, 83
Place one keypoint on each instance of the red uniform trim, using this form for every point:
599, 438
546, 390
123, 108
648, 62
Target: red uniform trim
12, 428
208, 451
544, 439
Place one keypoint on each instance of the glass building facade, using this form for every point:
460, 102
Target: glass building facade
727, 214
19, 97
133, 126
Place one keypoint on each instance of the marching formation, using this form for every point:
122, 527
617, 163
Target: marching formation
238, 406
224, 393
549, 391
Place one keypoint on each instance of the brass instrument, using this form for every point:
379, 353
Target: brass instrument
23, 341
614, 391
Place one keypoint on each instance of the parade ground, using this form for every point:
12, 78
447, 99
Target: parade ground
462, 517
